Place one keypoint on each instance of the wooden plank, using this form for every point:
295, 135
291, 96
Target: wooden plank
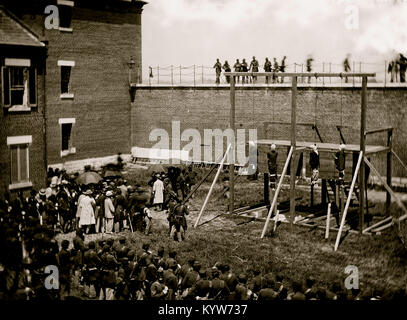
378, 130
327, 147
383, 227
377, 224
362, 150
211, 188
232, 165
293, 135
276, 193
399, 202
338, 237
398, 158
328, 221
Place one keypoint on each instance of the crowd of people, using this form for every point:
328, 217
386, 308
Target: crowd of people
397, 69
115, 268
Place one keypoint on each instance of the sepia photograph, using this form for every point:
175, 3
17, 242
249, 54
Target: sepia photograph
193, 157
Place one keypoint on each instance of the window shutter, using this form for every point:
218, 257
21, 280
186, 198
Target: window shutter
32, 83
5, 88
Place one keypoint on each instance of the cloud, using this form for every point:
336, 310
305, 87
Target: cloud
191, 32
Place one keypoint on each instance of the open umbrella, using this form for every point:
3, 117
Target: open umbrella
112, 174
88, 177
156, 168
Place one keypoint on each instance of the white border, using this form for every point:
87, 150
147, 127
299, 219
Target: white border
19, 140
68, 63
14, 62
65, 3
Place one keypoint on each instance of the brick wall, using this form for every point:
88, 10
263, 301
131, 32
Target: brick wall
328, 107
21, 124
101, 45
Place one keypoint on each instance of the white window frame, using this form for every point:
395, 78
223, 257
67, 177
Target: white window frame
66, 63
62, 121
69, 4
17, 141
22, 63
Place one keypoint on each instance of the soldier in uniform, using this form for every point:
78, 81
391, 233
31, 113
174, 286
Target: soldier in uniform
92, 264
309, 66
282, 68
275, 69
346, 66
242, 292
254, 67
219, 290
158, 289
237, 66
227, 68
244, 68
229, 277
190, 279
267, 68
179, 222
171, 281
218, 70
65, 267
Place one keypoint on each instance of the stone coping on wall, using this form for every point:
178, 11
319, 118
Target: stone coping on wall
258, 86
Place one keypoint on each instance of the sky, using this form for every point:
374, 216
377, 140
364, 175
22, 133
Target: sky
196, 32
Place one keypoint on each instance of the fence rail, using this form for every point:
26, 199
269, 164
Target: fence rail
200, 74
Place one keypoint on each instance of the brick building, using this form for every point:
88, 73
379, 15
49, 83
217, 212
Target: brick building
22, 126
92, 52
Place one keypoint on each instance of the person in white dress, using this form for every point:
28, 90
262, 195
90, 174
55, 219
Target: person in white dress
86, 209
158, 192
109, 212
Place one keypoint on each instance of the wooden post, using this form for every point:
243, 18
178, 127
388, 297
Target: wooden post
323, 70
324, 190
385, 73
328, 221
352, 186
330, 79
180, 74
312, 195
194, 75
389, 171
266, 189
233, 148
294, 146
202, 74
172, 76
211, 188
353, 71
158, 74
362, 149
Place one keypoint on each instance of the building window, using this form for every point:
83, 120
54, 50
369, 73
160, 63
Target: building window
66, 136
19, 85
19, 161
65, 15
66, 68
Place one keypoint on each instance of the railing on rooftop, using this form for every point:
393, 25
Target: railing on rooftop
205, 75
